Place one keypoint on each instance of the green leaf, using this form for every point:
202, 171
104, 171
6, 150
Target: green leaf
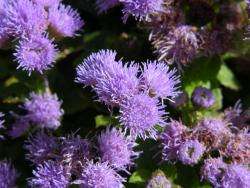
218, 96
227, 78
139, 176
102, 120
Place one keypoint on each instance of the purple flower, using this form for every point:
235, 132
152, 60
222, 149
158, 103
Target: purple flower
64, 21
158, 180
116, 148
179, 100
49, 175
213, 170
141, 9
44, 110
104, 5
47, 3
36, 54
112, 81
8, 175
100, 175
236, 176
158, 80
190, 152
233, 115
19, 127
23, 18
140, 114
171, 139
41, 147
203, 97
179, 46
75, 152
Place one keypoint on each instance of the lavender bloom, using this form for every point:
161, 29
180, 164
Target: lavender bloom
211, 132
75, 152
213, 170
171, 139
23, 18
237, 148
8, 175
158, 80
44, 110
41, 147
47, 3
49, 175
112, 81
236, 176
232, 114
140, 114
190, 152
117, 149
158, 180
64, 21
36, 54
179, 46
104, 5
203, 97
19, 127
100, 175
141, 9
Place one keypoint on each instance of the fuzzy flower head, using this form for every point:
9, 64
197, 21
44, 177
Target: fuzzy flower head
158, 180
19, 127
158, 80
100, 175
44, 110
141, 9
49, 175
104, 5
203, 97
140, 114
213, 170
117, 149
179, 46
23, 18
190, 152
64, 21
8, 175
112, 81
41, 147
47, 3
232, 114
236, 176
36, 54
171, 139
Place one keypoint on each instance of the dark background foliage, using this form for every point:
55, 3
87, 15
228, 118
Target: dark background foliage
84, 115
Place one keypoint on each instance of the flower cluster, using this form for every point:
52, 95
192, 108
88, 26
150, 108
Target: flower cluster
158, 179
33, 23
42, 110
8, 175
61, 161
136, 92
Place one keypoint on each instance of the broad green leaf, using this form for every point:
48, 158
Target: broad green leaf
139, 176
102, 120
227, 78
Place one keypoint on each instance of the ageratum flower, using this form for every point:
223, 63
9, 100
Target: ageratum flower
23, 18
116, 148
236, 176
19, 127
158, 80
8, 175
171, 139
44, 110
41, 147
233, 115
38, 53
203, 97
190, 152
179, 46
140, 114
4, 35
64, 21
112, 81
49, 175
213, 170
100, 175
47, 3
141, 9
158, 180
104, 5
